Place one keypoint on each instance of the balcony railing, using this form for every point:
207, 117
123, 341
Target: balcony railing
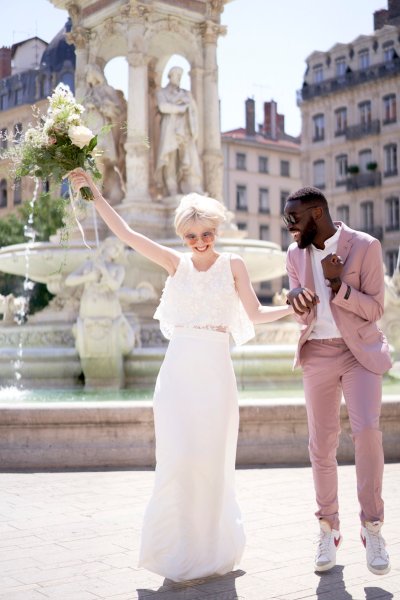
356, 132
375, 230
337, 84
363, 180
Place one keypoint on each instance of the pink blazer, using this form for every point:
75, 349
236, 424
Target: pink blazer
356, 313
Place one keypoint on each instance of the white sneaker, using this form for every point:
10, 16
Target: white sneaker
328, 542
378, 561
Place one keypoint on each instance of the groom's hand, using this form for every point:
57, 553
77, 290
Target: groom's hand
302, 299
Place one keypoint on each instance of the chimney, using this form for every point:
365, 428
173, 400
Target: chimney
380, 18
5, 62
250, 117
394, 9
270, 114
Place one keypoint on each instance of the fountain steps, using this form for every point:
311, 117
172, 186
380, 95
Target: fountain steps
121, 434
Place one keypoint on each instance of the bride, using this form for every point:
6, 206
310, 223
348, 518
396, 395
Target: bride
192, 526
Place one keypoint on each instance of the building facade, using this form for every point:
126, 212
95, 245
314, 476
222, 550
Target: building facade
351, 130
29, 71
261, 168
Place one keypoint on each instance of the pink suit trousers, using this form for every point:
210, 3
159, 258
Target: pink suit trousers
330, 369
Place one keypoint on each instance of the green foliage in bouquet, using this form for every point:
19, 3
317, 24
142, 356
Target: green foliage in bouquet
57, 144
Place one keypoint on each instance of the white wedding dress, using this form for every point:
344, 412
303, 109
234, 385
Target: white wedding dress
192, 526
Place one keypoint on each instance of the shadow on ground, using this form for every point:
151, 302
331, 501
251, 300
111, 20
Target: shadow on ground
331, 586
217, 588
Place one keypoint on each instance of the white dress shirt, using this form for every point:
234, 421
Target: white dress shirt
325, 326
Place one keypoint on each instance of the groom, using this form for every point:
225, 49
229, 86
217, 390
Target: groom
341, 350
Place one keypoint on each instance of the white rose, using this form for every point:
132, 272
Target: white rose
79, 135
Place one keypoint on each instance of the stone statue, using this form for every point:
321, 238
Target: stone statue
14, 309
178, 164
106, 107
103, 335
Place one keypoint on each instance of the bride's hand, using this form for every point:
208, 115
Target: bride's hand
81, 179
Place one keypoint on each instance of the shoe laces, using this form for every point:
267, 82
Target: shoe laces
377, 543
323, 541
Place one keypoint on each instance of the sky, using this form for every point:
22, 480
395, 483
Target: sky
262, 56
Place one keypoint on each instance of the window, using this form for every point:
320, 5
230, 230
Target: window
390, 152
242, 226
64, 189
264, 232
241, 197
388, 52
319, 173
364, 158
343, 213
392, 214
263, 200
3, 138
318, 73
263, 164
367, 216
319, 128
285, 168
340, 121
391, 258
17, 132
17, 191
68, 79
365, 113
363, 59
3, 102
284, 197
341, 168
389, 109
340, 64
18, 96
240, 161
3, 193
286, 238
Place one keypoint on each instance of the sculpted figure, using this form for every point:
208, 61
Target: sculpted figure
178, 164
103, 335
106, 106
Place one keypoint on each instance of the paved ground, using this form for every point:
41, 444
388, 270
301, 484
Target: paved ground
75, 535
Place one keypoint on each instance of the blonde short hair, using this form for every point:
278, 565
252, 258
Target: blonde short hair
194, 208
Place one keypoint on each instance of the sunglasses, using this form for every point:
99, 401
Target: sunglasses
206, 237
291, 219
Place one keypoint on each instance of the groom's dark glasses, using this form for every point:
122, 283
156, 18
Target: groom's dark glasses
292, 219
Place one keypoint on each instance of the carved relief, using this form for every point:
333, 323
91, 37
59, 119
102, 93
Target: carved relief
215, 8
74, 11
79, 37
210, 31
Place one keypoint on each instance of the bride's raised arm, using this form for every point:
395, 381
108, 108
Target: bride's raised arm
163, 256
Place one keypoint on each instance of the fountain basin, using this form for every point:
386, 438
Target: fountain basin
264, 260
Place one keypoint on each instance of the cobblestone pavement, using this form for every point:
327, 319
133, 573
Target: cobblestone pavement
75, 535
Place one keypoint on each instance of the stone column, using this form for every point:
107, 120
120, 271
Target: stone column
196, 78
80, 38
137, 151
212, 155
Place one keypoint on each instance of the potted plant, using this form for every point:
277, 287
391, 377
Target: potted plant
372, 166
353, 169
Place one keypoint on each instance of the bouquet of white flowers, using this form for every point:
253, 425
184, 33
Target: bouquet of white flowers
58, 143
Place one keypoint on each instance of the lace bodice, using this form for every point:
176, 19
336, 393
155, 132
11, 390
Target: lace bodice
203, 299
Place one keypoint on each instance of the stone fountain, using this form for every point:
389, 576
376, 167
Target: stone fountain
99, 323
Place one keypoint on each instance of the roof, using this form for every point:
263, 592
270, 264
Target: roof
15, 47
240, 135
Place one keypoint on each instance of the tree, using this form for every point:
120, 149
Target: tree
47, 218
